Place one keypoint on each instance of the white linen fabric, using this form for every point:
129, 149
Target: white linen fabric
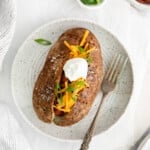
11, 137
7, 26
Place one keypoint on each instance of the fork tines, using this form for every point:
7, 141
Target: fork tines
116, 68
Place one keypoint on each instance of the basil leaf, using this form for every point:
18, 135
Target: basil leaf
43, 41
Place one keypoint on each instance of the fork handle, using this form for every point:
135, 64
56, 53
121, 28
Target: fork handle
88, 136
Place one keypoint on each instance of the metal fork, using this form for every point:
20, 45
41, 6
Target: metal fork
108, 85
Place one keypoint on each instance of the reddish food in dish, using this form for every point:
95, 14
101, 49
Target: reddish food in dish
56, 98
144, 1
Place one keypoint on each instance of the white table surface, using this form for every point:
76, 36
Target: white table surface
32, 14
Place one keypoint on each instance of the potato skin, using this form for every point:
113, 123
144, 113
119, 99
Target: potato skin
43, 93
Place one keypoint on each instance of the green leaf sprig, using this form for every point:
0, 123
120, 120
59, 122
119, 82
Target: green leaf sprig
81, 50
91, 2
43, 41
89, 60
59, 96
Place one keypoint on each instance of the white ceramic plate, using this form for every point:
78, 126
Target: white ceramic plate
29, 61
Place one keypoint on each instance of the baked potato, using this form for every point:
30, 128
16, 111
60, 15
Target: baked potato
55, 98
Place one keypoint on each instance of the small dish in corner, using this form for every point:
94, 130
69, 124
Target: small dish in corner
141, 5
91, 4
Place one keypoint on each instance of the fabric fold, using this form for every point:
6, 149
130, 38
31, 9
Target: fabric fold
11, 135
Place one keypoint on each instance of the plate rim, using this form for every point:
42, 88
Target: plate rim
55, 22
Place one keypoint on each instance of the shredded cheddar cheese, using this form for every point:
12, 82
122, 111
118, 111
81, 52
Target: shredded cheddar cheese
70, 93
80, 50
84, 38
86, 46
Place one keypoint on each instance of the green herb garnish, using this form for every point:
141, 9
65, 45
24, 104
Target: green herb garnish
74, 98
59, 96
43, 41
89, 59
57, 119
91, 2
70, 89
81, 49
57, 87
80, 83
60, 100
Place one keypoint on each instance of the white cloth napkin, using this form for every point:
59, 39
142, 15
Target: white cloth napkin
7, 24
11, 137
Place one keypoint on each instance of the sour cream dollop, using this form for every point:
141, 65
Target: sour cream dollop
76, 68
